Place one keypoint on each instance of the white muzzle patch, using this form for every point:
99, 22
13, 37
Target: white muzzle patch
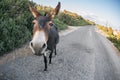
38, 41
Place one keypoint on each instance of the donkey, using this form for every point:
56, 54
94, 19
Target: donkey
45, 34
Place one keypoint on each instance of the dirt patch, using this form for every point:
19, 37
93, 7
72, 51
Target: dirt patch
23, 51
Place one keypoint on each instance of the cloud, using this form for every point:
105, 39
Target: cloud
92, 17
98, 20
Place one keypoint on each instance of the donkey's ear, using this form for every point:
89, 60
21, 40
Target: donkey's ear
57, 8
55, 11
34, 12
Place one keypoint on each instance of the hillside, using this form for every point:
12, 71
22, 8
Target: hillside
16, 22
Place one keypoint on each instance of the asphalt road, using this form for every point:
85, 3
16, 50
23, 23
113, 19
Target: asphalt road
81, 55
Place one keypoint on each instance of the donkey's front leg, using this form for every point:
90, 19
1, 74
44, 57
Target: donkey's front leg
45, 62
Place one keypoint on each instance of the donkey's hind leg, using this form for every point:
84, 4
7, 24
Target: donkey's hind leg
50, 56
55, 51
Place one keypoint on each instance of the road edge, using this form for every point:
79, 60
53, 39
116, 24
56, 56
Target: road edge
116, 50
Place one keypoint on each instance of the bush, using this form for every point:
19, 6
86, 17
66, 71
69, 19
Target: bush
115, 41
15, 24
71, 20
12, 35
59, 24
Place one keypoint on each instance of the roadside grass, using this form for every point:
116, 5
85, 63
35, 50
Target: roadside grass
115, 41
112, 35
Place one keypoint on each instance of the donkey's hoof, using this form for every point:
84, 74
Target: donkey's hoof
45, 69
50, 63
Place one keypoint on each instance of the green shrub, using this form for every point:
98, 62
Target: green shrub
12, 35
15, 24
59, 24
71, 20
115, 41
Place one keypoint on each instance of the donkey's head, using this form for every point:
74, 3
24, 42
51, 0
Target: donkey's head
40, 29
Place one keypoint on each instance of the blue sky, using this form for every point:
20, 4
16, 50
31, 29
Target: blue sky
103, 10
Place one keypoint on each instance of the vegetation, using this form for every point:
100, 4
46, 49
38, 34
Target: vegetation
72, 19
60, 24
112, 35
16, 22
91, 22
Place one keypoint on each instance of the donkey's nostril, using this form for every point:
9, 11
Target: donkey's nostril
44, 45
31, 44
31, 47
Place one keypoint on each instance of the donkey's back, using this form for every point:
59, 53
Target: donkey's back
53, 38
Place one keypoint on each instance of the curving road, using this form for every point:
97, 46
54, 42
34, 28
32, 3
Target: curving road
82, 55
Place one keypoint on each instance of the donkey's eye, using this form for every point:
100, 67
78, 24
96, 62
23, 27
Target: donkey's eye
33, 22
51, 24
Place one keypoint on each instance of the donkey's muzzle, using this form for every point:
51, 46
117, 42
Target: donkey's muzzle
38, 50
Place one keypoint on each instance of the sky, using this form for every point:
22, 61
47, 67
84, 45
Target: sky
105, 12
